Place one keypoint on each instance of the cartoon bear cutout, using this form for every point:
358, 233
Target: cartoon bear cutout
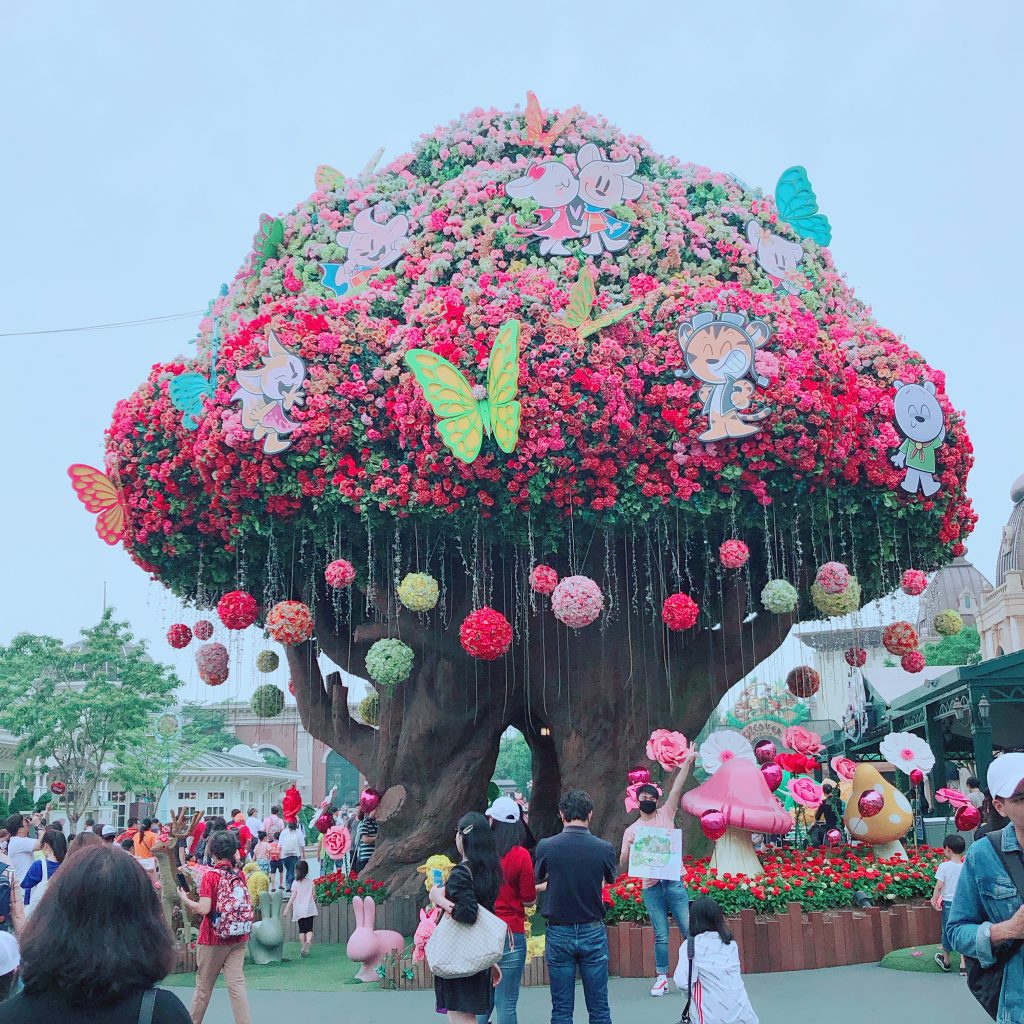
372, 245
270, 392
777, 257
604, 184
718, 349
920, 420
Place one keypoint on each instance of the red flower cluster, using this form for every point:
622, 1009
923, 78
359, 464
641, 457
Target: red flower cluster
914, 582
733, 554
796, 763
543, 579
238, 609
340, 573
803, 681
680, 611
485, 634
203, 629
899, 638
856, 657
912, 661
337, 887
179, 636
290, 623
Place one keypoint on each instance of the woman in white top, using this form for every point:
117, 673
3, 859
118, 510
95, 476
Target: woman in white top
718, 995
292, 848
302, 904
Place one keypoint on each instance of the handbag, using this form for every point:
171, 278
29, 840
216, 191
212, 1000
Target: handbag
38, 889
461, 950
986, 983
685, 1019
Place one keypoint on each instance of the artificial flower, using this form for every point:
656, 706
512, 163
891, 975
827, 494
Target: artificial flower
669, 749
907, 751
833, 577
913, 582
844, 767
577, 601
803, 741
805, 792
722, 746
953, 797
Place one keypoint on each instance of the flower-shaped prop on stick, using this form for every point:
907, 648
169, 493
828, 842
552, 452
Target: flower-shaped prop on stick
803, 741
843, 767
722, 746
669, 749
906, 751
953, 797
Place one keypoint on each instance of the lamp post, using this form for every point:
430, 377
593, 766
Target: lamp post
981, 736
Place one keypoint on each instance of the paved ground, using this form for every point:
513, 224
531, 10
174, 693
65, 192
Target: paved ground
864, 994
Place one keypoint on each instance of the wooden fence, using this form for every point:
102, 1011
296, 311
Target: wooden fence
402, 973
335, 923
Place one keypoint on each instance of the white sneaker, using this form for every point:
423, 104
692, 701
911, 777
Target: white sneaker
660, 987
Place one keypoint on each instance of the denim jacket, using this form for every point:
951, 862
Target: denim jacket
985, 895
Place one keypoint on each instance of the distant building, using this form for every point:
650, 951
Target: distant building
1001, 616
959, 586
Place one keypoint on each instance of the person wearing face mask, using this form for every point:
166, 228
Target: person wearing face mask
661, 896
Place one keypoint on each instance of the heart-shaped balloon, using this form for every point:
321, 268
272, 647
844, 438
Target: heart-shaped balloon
967, 819
833, 837
772, 775
765, 752
916, 776
870, 803
337, 842
638, 776
713, 825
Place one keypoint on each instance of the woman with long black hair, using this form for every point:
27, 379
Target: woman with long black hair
474, 883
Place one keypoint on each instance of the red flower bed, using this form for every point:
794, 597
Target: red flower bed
337, 887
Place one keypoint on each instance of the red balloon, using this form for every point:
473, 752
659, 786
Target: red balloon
713, 825
916, 776
639, 776
870, 803
765, 751
772, 775
58, 788
833, 837
967, 819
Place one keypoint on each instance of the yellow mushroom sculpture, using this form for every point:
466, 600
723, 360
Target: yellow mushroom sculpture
888, 825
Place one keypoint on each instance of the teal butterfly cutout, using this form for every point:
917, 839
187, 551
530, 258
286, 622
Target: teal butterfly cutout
798, 206
188, 390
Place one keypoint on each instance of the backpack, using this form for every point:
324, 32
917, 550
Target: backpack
232, 915
6, 874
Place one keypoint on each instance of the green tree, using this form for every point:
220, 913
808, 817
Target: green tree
206, 728
274, 759
153, 762
81, 707
515, 761
22, 800
962, 649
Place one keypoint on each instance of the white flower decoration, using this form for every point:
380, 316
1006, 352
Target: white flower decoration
906, 751
723, 746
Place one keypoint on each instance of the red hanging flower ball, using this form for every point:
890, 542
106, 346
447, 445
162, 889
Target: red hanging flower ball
803, 681
179, 635
733, 554
485, 634
203, 629
212, 662
543, 579
913, 661
856, 657
238, 609
833, 577
58, 788
899, 638
680, 611
291, 687
913, 582
290, 623
340, 573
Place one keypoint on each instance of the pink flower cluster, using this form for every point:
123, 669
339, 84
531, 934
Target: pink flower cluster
733, 554
179, 635
833, 577
899, 638
290, 623
543, 579
577, 601
212, 662
914, 582
340, 573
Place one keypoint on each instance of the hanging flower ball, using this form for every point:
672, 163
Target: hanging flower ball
836, 604
803, 681
913, 582
543, 579
212, 662
419, 592
833, 577
203, 629
267, 701
577, 601
291, 687
948, 622
779, 597
267, 661
389, 662
733, 554
369, 709
680, 611
238, 609
58, 788
912, 661
290, 623
899, 638
856, 657
179, 636
340, 573
485, 634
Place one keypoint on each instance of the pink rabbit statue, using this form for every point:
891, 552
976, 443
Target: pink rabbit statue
428, 922
369, 946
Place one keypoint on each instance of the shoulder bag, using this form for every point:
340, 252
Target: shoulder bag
457, 950
686, 1019
986, 983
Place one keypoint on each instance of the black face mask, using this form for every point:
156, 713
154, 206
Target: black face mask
647, 806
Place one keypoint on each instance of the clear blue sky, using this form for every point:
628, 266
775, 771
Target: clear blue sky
139, 144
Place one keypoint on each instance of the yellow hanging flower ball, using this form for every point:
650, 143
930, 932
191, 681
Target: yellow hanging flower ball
419, 592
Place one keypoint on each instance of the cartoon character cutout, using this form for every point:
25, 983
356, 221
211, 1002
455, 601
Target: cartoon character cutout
718, 349
602, 185
372, 245
269, 393
778, 258
920, 420
555, 189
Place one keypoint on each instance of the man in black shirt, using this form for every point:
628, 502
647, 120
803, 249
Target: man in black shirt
575, 865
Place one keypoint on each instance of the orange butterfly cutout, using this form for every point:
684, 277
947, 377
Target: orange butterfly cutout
535, 134
98, 493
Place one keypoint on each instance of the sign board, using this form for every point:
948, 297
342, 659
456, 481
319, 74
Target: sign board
657, 853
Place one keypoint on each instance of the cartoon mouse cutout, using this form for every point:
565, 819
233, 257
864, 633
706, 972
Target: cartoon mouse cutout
718, 349
372, 245
269, 393
559, 211
920, 420
604, 184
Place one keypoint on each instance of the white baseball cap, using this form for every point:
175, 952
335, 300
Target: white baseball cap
10, 955
505, 809
109, 830
1005, 774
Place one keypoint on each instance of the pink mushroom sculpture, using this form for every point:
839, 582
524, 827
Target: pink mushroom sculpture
739, 791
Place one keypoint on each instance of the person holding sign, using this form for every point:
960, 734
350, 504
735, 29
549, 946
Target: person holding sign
652, 849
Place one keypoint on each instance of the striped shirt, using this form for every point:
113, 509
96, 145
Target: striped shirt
364, 850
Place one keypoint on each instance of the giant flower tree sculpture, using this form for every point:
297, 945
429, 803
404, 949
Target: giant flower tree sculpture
532, 342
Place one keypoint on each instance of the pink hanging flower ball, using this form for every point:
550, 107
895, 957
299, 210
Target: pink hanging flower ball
238, 609
485, 634
833, 577
680, 611
290, 623
543, 579
203, 629
212, 662
733, 554
179, 636
577, 601
913, 661
914, 582
340, 573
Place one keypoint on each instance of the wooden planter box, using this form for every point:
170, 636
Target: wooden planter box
793, 941
335, 923
186, 961
536, 974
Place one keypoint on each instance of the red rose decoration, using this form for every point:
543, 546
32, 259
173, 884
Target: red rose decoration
680, 611
340, 573
485, 634
179, 636
543, 579
290, 623
912, 662
913, 582
803, 681
899, 638
733, 554
203, 629
856, 657
238, 609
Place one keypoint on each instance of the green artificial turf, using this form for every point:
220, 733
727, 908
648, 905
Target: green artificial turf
918, 958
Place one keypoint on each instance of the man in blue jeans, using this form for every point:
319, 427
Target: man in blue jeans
574, 865
661, 896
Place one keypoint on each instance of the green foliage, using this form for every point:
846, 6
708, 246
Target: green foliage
5, 808
81, 706
962, 649
515, 761
44, 799
22, 800
150, 764
206, 728
275, 760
